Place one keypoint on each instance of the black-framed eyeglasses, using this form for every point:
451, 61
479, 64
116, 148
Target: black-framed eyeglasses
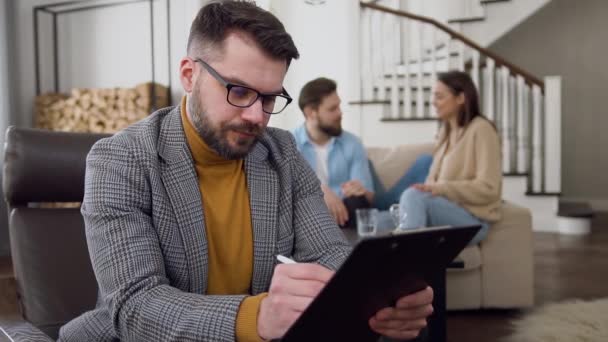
243, 97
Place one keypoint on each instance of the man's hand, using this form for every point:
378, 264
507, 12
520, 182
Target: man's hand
355, 188
407, 318
336, 207
292, 289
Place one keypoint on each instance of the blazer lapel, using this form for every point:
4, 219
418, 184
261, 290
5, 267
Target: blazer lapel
262, 183
181, 183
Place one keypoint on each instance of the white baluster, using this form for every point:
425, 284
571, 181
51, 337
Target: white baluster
513, 123
388, 65
489, 90
367, 74
394, 100
537, 100
376, 35
475, 69
390, 61
420, 73
522, 125
460, 46
505, 115
386, 54
429, 113
433, 54
405, 40
553, 138
446, 53
407, 81
396, 37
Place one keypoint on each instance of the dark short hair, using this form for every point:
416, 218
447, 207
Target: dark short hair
215, 20
314, 91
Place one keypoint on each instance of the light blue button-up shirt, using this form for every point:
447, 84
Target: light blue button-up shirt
347, 159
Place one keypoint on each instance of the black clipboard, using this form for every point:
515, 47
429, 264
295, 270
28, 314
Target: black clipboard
377, 272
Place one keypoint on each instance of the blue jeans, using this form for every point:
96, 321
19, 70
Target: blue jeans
425, 210
417, 173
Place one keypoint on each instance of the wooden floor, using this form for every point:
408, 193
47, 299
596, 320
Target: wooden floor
566, 267
8, 300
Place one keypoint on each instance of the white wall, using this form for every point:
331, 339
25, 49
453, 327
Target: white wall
327, 37
103, 48
5, 98
110, 47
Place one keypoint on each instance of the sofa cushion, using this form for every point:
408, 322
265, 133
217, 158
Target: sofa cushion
390, 163
471, 256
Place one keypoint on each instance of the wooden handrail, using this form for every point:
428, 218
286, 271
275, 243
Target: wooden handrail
514, 69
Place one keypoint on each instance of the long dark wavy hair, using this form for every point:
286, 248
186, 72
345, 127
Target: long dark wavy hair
459, 82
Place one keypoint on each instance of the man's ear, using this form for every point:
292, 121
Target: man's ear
309, 112
186, 74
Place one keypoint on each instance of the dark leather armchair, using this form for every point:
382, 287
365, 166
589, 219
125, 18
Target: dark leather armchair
55, 281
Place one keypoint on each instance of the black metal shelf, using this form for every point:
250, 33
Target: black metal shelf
65, 7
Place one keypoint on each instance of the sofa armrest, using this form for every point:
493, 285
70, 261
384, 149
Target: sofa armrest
508, 261
20, 330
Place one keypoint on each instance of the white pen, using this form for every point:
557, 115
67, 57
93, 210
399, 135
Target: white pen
285, 260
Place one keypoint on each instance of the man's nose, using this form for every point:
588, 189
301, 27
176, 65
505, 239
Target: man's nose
254, 113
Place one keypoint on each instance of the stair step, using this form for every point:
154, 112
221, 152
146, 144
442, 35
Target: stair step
466, 20
437, 47
514, 174
424, 74
543, 194
429, 59
575, 209
383, 102
412, 88
407, 119
483, 2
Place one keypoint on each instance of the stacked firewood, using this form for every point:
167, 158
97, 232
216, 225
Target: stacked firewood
98, 110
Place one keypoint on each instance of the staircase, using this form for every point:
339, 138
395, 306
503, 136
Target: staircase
487, 20
401, 54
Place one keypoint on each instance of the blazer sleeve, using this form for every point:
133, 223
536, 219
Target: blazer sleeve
318, 238
128, 261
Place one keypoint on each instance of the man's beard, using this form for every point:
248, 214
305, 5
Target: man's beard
332, 131
217, 137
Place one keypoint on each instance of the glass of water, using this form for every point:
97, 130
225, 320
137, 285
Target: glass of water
367, 222
397, 216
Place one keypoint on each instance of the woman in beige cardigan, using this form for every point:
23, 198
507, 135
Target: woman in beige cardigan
465, 180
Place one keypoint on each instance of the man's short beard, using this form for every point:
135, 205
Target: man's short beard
332, 131
215, 137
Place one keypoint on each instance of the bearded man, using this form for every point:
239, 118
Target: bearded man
337, 157
186, 211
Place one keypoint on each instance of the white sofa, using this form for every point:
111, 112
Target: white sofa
498, 273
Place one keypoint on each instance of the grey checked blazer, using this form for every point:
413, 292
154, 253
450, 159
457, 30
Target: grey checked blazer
145, 230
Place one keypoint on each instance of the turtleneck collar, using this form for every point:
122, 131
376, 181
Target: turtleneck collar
201, 152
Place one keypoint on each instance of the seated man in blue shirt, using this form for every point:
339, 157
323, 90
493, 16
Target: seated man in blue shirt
338, 157
340, 161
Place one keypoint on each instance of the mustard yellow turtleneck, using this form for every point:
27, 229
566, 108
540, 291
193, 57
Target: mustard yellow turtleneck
223, 188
